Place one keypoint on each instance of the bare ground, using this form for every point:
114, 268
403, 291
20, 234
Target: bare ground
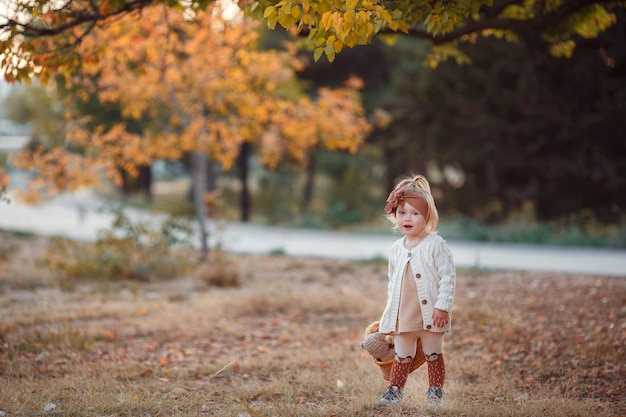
286, 343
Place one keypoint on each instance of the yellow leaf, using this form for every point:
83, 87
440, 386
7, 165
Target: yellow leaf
271, 22
349, 19
563, 49
403, 26
317, 53
325, 18
384, 14
337, 20
286, 21
269, 11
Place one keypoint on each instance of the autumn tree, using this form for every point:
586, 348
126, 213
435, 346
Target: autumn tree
155, 67
211, 102
38, 34
38, 37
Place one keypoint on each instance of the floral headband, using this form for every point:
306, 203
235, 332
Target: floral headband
398, 197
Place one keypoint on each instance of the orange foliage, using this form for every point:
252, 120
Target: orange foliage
4, 178
57, 170
207, 88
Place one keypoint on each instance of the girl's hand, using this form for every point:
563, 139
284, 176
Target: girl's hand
440, 318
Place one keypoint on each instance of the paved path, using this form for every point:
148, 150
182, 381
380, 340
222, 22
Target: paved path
80, 216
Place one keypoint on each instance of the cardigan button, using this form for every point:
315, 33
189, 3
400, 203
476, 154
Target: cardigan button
429, 327
418, 275
424, 302
408, 255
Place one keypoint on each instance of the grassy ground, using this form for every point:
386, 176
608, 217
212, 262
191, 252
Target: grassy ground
286, 343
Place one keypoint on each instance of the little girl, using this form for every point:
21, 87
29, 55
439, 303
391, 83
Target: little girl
420, 292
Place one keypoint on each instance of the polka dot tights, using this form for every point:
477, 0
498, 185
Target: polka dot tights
436, 370
400, 369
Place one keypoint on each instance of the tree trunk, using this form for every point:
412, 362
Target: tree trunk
199, 174
309, 183
211, 176
140, 184
125, 187
145, 181
244, 203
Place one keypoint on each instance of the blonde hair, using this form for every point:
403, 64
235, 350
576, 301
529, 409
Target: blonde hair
417, 185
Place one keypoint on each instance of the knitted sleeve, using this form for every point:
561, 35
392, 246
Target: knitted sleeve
444, 263
390, 269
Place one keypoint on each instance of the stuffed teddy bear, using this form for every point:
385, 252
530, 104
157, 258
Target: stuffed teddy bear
377, 344
380, 346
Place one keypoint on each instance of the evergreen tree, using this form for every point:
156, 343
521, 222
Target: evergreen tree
522, 126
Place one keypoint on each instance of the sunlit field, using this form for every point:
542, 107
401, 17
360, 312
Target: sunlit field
285, 342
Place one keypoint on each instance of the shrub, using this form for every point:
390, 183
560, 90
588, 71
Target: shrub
220, 271
128, 251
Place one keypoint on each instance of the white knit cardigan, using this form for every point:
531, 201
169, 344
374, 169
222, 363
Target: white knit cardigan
435, 276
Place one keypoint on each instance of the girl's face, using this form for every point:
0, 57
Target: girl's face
410, 221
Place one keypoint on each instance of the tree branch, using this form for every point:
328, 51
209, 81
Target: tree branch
539, 23
89, 14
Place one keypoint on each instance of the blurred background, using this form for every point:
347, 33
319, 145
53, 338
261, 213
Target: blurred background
519, 145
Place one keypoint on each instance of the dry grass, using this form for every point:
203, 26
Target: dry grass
286, 343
